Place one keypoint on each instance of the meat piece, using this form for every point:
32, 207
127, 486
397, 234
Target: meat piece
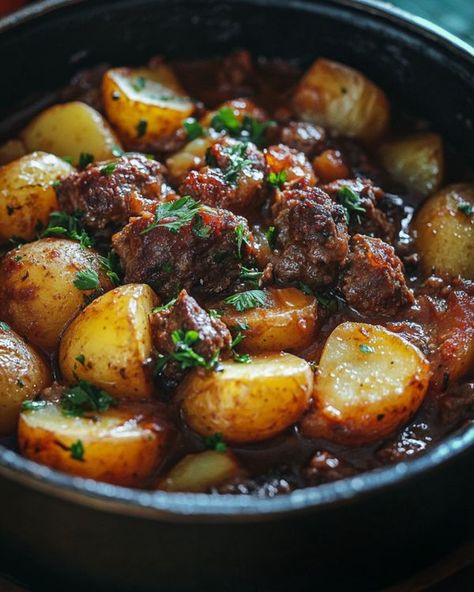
303, 137
295, 165
412, 441
205, 253
457, 405
374, 221
325, 467
311, 239
109, 192
186, 315
374, 282
234, 177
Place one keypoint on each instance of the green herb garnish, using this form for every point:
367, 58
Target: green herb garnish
178, 213
69, 226
193, 128
33, 405
88, 279
466, 208
85, 397
246, 300
85, 159
4, 326
250, 130
139, 84
108, 169
277, 179
251, 275
351, 203
184, 353
238, 162
166, 306
111, 266
81, 358
241, 237
142, 127
200, 229
77, 450
215, 442
270, 235
366, 349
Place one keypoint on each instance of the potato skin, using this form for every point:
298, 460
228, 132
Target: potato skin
122, 445
126, 105
247, 402
69, 129
37, 293
23, 373
113, 334
445, 234
288, 322
342, 99
27, 195
362, 396
416, 161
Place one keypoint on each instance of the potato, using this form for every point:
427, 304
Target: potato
444, 227
190, 157
287, 323
27, 195
239, 107
343, 100
113, 335
122, 445
69, 129
369, 383
144, 104
37, 291
247, 402
200, 472
416, 161
11, 150
23, 374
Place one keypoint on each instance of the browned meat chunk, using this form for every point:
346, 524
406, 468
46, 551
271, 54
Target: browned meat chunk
325, 467
304, 137
204, 248
293, 165
311, 239
183, 327
110, 192
234, 177
374, 282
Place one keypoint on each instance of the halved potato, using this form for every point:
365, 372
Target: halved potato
122, 445
416, 161
113, 337
444, 227
23, 374
369, 383
247, 402
144, 104
287, 322
37, 291
200, 472
27, 195
11, 150
342, 99
190, 157
69, 129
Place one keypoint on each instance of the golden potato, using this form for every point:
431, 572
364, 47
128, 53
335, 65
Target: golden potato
416, 161
200, 472
11, 150
369, 383
27, 195
23, 374
37, 291
247, 402
113, 337
190, 157
122, 445
342, 99
69, 129
444, 227
144, 104
286, 323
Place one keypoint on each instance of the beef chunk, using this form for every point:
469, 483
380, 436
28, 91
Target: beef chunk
303, 137
378, 219
183, 316
457, 405
205, 253
412, 441
325, 467
110, 192
296, 166
234, 177
374, 282
312, 238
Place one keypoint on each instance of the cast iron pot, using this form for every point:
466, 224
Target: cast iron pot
362, 533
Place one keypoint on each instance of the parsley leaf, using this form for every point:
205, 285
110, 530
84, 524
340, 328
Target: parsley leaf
466, 208
351, 203
193, 128
184, 353
238, 162
242, 358
225, 120
165, 306
111, 266
250, 130
215, 442
33, 405
109, 168
69, 226
270, 235
277, 179
138, 84
85, 159
179, 213
142, 126
214, 314
200, 229
77, 450
84, 397
4, 326
366, 349
328, 301
305, 288
246, 300
81, 358
251, 275
240, 235
88, 279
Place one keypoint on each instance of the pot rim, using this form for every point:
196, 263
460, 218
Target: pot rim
200, 507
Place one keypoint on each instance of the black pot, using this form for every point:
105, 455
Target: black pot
365, 532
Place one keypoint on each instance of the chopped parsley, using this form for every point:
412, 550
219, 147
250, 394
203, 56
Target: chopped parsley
81, 358
366, 349
69, 226
242, 358
351, 203
4, 326
85, 159
328, 301
251, 275
215, 442
117, 151
250, 130
173, 215
88, 279
20, 383
270, 235
139, 84
305, 288
466, 208
193, 128
184, 353
108, 169
85, 397
225, 120
77, 450
277, 179
240, 235
214, 314
200, 229
166, 306
33, 405
67, 159
246, 300
142, 126
111, 265
238, 162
